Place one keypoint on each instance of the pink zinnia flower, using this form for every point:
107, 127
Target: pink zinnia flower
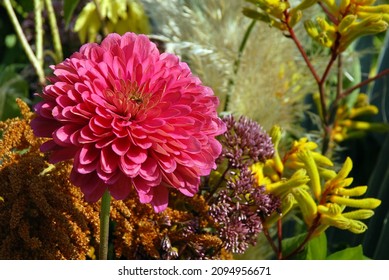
129, 117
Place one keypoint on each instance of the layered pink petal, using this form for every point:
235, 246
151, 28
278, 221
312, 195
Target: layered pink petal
130, 117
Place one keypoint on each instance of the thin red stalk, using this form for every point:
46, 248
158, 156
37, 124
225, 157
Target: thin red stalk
315, 224
339, 88
328, 13
311, 230
270, 240
279, 235
216, 187
302, 51
361, 84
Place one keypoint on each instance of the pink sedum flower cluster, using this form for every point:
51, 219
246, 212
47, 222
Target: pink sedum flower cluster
129, 117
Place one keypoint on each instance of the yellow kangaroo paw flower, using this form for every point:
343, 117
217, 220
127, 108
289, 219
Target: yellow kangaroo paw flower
336, 221
357, 191
346, 22
280, 188
306, 203
330, 209
357, 227
360, 214
311, 167
363, 203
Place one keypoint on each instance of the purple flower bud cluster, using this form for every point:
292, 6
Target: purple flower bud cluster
245, 142
239, 209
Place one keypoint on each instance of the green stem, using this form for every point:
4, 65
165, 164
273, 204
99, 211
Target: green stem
38, 8
243, 45
54, 31
238, 60
27, 48
104, 225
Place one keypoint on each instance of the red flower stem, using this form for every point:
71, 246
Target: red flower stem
216, 187
301, 49
320, 81
311, 230
104, 225
270, 240
279, 235
339, 88
328, 13
361, 84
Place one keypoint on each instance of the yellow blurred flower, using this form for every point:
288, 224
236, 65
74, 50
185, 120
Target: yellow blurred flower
117, 16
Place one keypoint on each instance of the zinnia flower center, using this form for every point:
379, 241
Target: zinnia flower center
126, 98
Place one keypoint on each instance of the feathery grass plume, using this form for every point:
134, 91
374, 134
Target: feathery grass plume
209, 35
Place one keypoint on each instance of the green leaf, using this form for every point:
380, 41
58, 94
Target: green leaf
317, 248
291, 244
69, 6
352, 253
12, 86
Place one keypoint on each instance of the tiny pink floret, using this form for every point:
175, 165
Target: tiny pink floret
129, 117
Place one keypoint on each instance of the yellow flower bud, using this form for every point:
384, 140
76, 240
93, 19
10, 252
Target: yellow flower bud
362, 111
311, 167
360, 214
363, 203
324, 25
345, 170
330, 209
306, 203
360, 125
295, 16
346, 22
336, 221
372, 24
357, 227
326, 174
276, 134
293, 164
379, 9
311, 28
321, 159
280, 188
357, 191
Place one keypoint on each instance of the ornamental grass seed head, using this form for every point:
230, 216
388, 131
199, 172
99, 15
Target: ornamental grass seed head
129, 117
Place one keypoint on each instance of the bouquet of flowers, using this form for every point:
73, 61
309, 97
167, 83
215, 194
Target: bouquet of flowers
193, 129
